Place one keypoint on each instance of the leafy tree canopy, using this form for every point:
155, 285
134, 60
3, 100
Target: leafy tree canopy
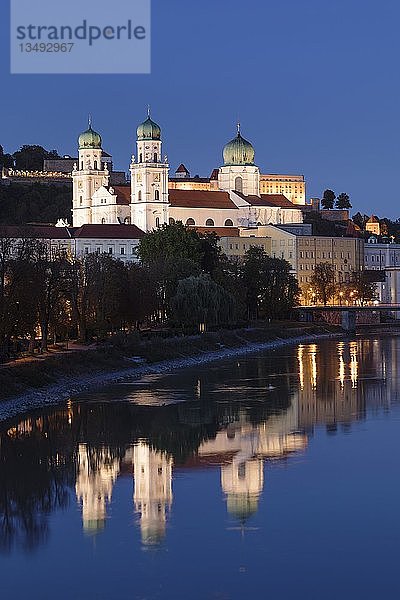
323, 281
328, 199
30, 158
343, 201
176, 241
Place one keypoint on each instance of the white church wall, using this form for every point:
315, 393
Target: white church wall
201, 215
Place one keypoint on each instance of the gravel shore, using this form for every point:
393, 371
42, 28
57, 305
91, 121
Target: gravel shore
68, 387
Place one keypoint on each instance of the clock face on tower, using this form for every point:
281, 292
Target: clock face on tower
157, 177
80, 185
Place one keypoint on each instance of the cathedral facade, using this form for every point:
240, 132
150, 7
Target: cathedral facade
231, 197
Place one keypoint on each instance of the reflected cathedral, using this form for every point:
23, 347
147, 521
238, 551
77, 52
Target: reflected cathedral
236, 419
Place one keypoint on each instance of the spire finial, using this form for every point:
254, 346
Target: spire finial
238, 127
148, 111
90, 121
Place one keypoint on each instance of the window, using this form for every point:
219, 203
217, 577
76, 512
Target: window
239, 184
95, 165
190, 222
86, 250
228, 223
155, 157
110, 250
171, 221
157, 222
103, 221
127, 221
122, 250
82, 165
156, 194
80, 200
209, 223
140, 158
98, 250
139, 195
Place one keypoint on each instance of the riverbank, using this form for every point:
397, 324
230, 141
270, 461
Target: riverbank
53, 379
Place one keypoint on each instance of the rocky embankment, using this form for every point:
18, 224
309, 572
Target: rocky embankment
69, 375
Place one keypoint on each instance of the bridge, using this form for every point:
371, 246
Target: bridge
345, 316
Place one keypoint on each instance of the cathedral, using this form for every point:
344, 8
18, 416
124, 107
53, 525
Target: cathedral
232, 197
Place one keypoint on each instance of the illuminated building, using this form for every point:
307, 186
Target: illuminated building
232, 196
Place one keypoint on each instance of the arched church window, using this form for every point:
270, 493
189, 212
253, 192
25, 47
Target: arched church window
95, 165
157, 221
156, 194
140, 158
103, 221
171, 221
228, 223
127, 221
209, 223
239, 184
139, 195
155, 157
190, 222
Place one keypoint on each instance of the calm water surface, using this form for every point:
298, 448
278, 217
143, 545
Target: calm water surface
271, 476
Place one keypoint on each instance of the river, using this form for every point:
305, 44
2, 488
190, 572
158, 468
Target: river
270, 476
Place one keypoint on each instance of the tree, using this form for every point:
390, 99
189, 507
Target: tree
360, 220
363, 288
328, 199
323, 281
31, 158
271, 290
201, 300
48, 273
6, 160
38, 202
170, 242
343, 201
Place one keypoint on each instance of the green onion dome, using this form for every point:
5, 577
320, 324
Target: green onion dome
89, 139
148, 130
238, 151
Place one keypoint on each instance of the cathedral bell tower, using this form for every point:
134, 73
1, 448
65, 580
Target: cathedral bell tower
88, 176
149, 179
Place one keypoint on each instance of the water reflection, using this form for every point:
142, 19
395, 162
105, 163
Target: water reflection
233, 417
97, 471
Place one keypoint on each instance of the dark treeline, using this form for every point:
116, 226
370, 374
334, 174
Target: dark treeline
27, 158
34, 203
182, 281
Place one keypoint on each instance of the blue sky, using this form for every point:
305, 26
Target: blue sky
315, 84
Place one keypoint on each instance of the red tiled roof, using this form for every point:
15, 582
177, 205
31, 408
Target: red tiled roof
195, 179
181, 169
42, 232
200, 199
278, 200
117, 232
123, 193
219, 231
